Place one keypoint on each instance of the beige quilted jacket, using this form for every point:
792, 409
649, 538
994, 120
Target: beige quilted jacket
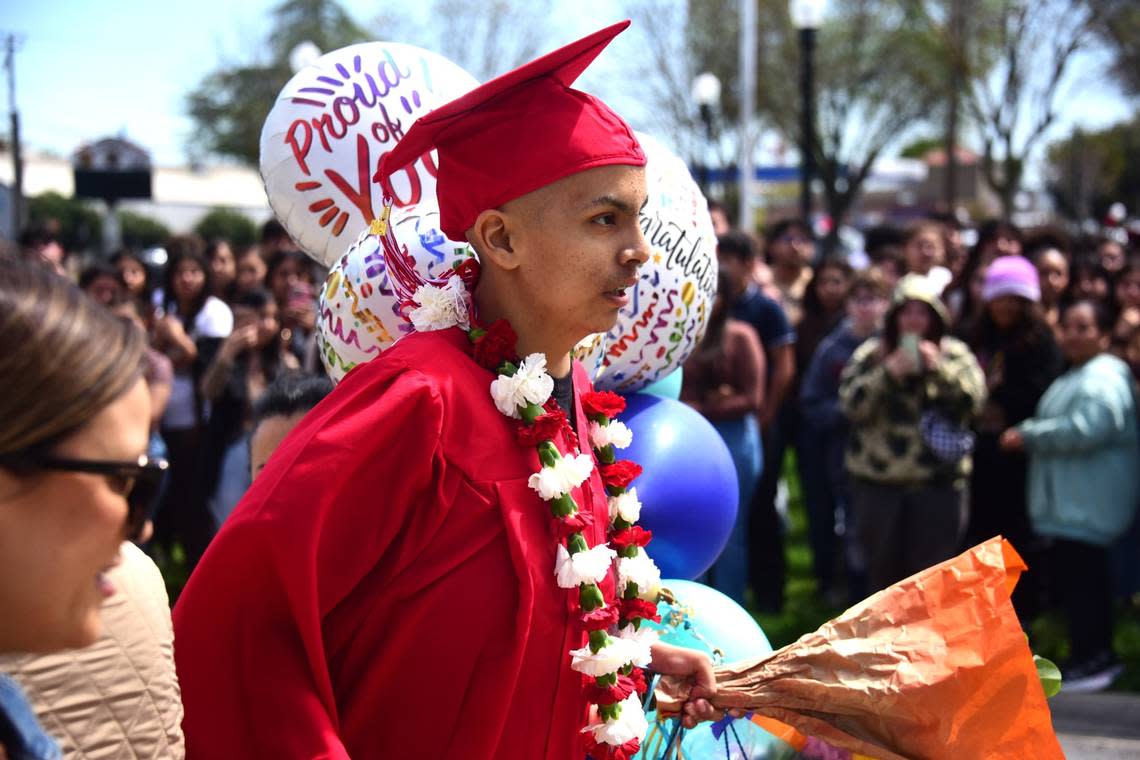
118, 699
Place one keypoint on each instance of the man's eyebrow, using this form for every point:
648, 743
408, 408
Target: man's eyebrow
614, 201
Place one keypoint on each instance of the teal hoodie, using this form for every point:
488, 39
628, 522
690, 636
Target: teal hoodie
1084, 462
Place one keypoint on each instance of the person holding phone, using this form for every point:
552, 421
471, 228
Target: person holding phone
291, 279
908, 490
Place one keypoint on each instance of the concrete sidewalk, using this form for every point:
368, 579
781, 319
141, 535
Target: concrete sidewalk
1103, 726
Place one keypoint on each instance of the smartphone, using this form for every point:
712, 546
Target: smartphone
908, 342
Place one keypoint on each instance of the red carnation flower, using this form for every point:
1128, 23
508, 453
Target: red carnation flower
496, 346
637, 676
632, 536
619, 474
544, 428
605, 403
599, 619
608, 695
468, 271
575, 523
601, 751
639, 608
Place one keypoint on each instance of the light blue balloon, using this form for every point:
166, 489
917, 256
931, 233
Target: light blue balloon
706, 619
667, 387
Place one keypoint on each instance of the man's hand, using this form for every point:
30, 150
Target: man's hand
696, 666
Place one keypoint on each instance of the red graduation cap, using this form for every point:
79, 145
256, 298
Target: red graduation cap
517, 133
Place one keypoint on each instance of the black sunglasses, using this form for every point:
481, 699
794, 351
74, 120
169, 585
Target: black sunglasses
137, 481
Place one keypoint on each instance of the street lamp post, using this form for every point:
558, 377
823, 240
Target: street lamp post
807, 15
706, 94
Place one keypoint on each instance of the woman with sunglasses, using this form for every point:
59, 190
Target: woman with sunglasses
74, 481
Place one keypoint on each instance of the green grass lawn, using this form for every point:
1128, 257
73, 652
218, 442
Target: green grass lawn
805, 610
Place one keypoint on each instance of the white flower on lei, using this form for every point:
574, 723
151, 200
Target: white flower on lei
440, 307
609, 659
630, 724
531, 384
616, 434
568, 473
642, 571
637, 644
626, 505
590, 566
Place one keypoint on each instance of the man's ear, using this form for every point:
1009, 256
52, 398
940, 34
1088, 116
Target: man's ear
491, 237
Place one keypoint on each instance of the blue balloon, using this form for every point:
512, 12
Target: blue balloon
668, 386
688, 490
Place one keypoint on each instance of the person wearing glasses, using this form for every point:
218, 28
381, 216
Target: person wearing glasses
74, 481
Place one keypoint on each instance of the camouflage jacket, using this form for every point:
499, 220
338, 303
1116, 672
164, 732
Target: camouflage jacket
886, 444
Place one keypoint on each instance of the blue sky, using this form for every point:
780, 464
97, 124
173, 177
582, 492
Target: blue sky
87, 69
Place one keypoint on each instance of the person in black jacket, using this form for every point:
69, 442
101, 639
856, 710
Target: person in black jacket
1020, 357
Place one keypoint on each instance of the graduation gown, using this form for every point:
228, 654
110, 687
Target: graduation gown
386, 588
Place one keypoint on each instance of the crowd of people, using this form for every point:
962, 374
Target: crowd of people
935, 395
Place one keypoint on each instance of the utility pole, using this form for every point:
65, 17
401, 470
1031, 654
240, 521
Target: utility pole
17, 195
747, 109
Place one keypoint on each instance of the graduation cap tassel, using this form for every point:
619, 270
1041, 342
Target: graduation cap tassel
402, 274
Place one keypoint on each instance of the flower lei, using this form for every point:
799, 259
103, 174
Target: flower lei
618, 648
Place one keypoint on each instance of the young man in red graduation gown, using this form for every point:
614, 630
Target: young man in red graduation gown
394, 584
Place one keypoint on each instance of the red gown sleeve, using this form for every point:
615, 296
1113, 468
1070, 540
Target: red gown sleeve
358, 473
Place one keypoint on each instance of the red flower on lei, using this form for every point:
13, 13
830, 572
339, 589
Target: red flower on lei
602, 403
601, 751
619, 474
638, 608
544, 428
637, 675
609, 695
496, 346
599, 619
631, 536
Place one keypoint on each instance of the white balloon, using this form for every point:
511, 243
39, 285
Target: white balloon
358, 315
323, 139
670, 305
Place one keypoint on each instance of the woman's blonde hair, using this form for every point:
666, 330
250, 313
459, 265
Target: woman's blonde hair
63, 357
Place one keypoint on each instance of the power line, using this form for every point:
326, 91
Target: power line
12, 42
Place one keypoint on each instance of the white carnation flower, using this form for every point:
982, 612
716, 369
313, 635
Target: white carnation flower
565, 475
534, 383
640, 570
575, 469
590, 566
615, 434
608, 659
547, 483
504, 389
637, 644
630, 724
531, 384
440, 307
626, 505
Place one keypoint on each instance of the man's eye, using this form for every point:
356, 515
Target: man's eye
605, 219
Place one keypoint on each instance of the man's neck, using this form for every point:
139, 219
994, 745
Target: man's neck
532, 337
